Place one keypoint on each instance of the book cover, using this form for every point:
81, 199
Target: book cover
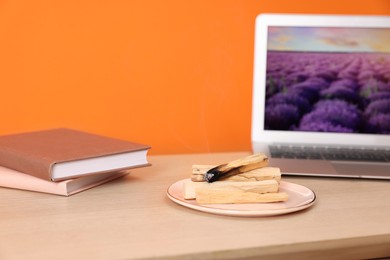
60, 154
16, 180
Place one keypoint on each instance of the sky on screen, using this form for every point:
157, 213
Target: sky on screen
328, 39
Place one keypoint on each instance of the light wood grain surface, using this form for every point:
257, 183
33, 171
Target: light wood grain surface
132, 218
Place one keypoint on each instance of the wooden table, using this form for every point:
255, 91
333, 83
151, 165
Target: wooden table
133, 218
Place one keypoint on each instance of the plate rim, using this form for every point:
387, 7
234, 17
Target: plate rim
241, 213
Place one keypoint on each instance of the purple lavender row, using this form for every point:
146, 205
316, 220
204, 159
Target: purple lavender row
332, 116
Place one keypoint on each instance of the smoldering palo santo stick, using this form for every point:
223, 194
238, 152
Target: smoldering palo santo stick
237, 166
259, 174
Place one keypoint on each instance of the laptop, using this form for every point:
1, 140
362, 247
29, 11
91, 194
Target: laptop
321, 95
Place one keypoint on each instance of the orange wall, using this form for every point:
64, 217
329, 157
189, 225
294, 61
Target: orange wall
173, 74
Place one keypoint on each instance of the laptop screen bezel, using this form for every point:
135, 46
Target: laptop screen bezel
261, 135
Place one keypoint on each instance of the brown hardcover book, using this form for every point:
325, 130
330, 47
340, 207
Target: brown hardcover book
60, 154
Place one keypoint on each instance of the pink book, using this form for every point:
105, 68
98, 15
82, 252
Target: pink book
13, 179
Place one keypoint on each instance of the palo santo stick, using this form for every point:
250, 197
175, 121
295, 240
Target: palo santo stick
260, 174
234, 167
235, 195
191, 188
241, 165
198, 172
245, 163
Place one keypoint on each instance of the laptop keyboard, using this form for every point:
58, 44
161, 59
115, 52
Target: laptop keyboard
330, 153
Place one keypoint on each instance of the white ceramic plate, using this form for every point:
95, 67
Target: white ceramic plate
300, 198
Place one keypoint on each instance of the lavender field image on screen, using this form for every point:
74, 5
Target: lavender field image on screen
320, 83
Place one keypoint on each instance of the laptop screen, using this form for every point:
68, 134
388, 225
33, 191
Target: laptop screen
328, 79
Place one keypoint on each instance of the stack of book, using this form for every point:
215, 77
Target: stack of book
65, 161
